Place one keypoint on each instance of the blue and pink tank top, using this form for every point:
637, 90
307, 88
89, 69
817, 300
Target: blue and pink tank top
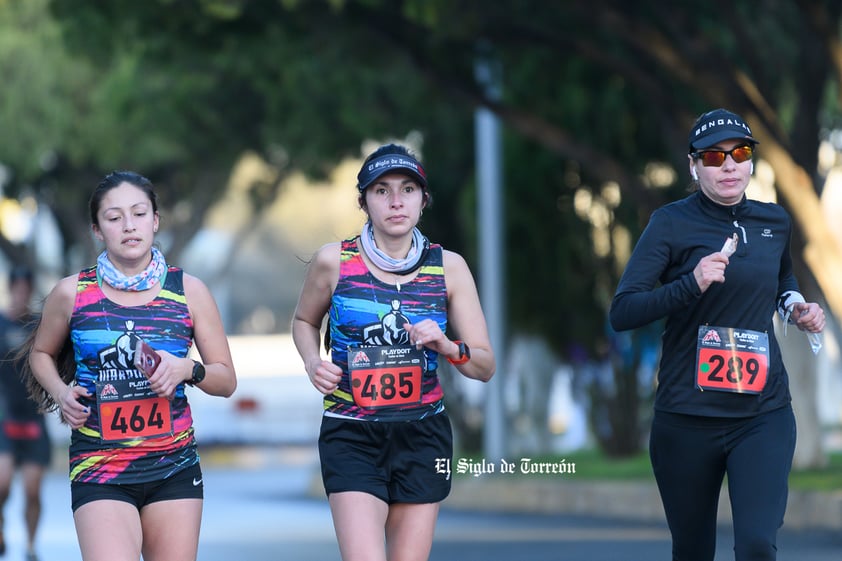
367, 312
130, 436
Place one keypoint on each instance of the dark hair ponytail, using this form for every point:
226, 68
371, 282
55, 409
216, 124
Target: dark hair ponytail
65, 363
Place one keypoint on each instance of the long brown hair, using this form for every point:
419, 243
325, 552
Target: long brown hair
65, 363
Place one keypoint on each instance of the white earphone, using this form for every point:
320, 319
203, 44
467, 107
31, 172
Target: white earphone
751, 172
693, 173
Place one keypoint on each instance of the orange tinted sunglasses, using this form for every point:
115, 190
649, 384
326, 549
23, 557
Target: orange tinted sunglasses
715, 158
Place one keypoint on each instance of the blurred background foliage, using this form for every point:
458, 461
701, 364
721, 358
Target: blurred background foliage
596, 101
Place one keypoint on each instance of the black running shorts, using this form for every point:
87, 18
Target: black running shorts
186, 484
27, 441
397, 462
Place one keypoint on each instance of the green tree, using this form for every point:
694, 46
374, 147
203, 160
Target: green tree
594, 94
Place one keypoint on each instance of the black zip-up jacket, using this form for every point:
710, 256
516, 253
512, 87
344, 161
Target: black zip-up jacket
658, 282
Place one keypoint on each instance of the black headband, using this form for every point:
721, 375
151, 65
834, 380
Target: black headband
389, 163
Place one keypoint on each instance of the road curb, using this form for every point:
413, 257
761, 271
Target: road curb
545, 494
632, 500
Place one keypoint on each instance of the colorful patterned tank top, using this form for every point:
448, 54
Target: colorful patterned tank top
365, 311
103, 334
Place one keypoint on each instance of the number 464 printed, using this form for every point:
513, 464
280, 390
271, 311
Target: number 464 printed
133, 419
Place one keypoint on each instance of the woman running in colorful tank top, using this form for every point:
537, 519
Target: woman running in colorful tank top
111, 354
390, 297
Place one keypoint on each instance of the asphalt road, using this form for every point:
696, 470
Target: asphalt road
261, 509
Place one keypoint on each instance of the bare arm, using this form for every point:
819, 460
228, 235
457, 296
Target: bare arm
211, 341
50, 337
465, 315
465, 318
313, 305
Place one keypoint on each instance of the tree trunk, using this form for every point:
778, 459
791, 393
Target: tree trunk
801, 365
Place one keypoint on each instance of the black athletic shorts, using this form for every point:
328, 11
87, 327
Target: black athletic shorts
397, 462
27, 441
186, 484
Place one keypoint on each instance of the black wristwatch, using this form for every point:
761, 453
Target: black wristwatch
198, 373
464, 354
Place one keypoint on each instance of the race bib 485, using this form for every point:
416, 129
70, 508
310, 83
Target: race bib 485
386, 376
